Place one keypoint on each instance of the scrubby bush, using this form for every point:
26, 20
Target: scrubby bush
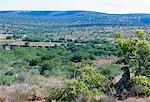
15, 36
9, 37
33, 39
110, 71
86, 80
48, 65
78, 57
8, 80
140, 85
69, 91
35, 62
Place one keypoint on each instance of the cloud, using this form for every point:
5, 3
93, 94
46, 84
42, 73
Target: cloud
108, 6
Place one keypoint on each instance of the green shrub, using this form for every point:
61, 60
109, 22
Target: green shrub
35, 62
48, 65
34, 39
90, 76
8, 80
86, 80
9, 37
141, 83
69, 91
111, 70
78, 57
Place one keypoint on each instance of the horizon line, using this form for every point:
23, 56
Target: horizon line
68, 11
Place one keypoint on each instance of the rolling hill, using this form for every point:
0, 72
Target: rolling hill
83, 16
56, 22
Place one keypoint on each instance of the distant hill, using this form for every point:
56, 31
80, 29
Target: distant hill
53, 13
83, 17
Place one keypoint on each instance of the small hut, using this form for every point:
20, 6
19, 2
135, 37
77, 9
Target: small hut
7, 47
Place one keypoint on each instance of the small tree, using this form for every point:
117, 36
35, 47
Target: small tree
135, 51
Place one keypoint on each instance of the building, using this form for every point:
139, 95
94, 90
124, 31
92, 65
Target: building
7, 47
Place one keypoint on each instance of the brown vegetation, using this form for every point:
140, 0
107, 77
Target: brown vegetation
103, 61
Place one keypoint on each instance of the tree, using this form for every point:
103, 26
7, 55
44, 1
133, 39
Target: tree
135, 51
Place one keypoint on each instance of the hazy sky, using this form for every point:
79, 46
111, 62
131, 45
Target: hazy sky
106, 6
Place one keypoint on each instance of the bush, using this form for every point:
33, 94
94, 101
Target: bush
35, 62
140, 85
33, 39
68, 92
17, 36
8, 80
78, 57
86, 80
110, 71
48, 56
9, 37
48, 65
92, 78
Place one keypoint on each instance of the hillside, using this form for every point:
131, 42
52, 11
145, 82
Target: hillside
70, 22
86, 16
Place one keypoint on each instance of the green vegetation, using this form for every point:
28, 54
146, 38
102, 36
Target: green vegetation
34, 39
140, 84
15, 36
84, 61
73, 62
57, 61
93, 81
86, 80
135, 52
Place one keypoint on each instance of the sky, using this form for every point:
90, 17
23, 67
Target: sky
105, 6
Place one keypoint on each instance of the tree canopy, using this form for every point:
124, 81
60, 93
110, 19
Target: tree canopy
135, 51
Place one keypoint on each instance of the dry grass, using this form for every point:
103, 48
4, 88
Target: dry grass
103, 61
110, 99
136, 100
101, 98
21, 93
35, 89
